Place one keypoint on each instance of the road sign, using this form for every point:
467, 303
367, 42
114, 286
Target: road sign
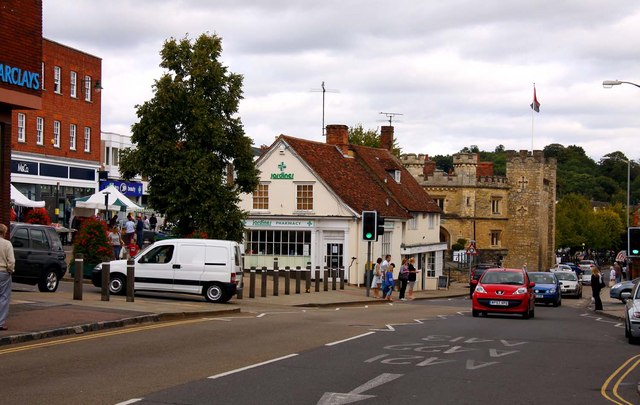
471, 250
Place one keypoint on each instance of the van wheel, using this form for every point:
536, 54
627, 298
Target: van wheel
215, 293
49, 282
118, 284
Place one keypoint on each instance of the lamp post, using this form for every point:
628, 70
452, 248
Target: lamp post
106, 206
607, 84
628, 162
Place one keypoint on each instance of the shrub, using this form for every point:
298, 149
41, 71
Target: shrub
37, 216
91, 240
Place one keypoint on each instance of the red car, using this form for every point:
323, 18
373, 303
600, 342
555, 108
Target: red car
505, 291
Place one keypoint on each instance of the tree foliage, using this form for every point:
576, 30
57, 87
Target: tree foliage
189, 136
370, 137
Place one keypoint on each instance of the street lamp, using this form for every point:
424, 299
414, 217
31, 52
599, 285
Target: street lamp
628, 162
607, 84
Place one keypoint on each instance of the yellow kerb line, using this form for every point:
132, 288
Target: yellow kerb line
603, 389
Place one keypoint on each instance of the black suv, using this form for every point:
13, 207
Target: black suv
40, 257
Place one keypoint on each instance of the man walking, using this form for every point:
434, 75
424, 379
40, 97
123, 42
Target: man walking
7, 267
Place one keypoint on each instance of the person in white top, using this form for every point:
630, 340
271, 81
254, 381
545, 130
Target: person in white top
612, 277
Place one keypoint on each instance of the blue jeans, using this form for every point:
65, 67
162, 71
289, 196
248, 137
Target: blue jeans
116, 251
387, 290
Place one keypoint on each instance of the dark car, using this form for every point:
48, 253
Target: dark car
40, 257
476, 273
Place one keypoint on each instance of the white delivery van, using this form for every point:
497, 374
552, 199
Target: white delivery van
212, 268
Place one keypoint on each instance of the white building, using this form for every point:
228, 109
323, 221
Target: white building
307, 209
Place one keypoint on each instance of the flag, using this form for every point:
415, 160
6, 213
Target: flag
535, 105
621, 256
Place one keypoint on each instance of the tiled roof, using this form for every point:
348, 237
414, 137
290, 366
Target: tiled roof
361, 181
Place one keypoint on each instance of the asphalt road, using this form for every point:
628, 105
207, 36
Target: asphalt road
423, 352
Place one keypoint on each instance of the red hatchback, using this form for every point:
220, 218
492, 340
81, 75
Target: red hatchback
505, 291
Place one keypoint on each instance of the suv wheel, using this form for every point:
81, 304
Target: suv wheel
49, 282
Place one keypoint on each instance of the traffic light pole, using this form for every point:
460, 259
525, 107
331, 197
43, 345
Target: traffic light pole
368, 271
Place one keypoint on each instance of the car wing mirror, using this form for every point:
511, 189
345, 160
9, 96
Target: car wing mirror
625, 295
531, 284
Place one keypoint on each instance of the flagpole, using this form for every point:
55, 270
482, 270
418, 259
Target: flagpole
532, 114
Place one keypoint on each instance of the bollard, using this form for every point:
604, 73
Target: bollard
298, 275
334, 275
326, 279
307, 276
252, 283
130, 280
341, 272
317, 278
77, 277
263, 282
276, 281
287, 280
106, 273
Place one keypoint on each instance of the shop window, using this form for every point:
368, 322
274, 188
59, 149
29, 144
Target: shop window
87, 139
39, 130
72, 136
261, 197
304, 197
21, 127
57, 87
73, 82
277, 242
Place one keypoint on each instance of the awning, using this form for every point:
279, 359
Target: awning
20, 199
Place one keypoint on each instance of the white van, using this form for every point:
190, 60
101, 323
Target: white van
209, 267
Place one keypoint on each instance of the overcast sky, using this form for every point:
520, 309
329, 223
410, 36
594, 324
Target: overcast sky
460, 72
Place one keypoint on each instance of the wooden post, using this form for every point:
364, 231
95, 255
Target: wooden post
287, 280
326, 279
263, 282
130, 280
317, 278
252, 283
307, 275
298, 274
77, 277
341, 273
106, 275
334, 275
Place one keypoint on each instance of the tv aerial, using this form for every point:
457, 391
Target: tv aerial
390, 116
324, 90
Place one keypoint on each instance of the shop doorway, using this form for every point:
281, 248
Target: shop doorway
335, 255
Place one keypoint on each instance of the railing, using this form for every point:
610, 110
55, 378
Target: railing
289, 276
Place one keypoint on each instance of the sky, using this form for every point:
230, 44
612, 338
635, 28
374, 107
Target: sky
458, 72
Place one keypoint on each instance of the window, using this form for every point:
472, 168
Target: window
413, 222
283, 243
432, 220
495, 238
431, 264
395, 174
21, 128
56, 79
106, 155
386, 243
115, 156
261, 197
20, 238
440, 202
304, 197
39, 130
496, 205
73, 129
39, 240
73, 81
56, 134
87, 88
87, 139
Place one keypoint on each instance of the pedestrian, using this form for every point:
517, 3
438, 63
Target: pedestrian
618, 270
597, 284
377, 278
115, 238
7, 267
625, 276
413, 273
140, 230
612, 277
113, 221
133, 248
387, 286
153, 221
129, 229
147, 223
403, 278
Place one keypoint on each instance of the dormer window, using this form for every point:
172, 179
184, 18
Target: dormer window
395, 174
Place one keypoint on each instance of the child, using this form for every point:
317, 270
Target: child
133, 248
388, 283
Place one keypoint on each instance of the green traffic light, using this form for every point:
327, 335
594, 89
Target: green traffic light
368, 235
635, 251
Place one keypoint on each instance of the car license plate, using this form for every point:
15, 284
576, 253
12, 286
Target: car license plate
539, 295
499, 303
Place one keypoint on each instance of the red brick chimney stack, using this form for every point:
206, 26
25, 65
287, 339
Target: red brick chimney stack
386, 137
338, 135
429, 166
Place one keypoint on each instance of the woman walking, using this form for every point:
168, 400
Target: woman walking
116, 241
377, 278
596, 285
412, 276
403, 277
387, 286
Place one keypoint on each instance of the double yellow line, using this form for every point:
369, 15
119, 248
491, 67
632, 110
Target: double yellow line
619, 375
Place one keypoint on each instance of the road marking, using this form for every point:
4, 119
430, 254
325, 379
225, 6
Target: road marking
348, 339
238, 370
614, 389
337, 398
131, 401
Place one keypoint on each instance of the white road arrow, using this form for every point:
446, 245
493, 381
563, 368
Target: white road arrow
337, 398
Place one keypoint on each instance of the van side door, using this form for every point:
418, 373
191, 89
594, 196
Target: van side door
187, 270
154, 268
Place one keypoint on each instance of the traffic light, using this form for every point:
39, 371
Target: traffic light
379, 226
369, 225
634, 242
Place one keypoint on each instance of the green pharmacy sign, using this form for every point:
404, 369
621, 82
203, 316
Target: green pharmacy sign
282, 175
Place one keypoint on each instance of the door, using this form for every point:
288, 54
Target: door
188, 269
154, 269
334, 257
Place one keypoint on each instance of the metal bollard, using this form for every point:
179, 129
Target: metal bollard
252, 283
317, 278
263, 282
341, 272
106, 273
287, 280
307, 277
77, 277
130, 280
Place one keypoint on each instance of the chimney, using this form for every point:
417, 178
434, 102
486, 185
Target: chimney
429, 167
338, 135
386, 137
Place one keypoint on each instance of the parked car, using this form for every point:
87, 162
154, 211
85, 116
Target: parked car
574, 267
208, 267
587, 265
561, 267
40, 257
569, 283
547, 289
619, 288
476, 273
632, 315
585, 277
504, 291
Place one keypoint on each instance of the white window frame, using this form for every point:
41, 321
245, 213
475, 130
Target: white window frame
39, 131
412, 224
115, 156
431, 218
73, 133
56, 134
304, 202
22, 119
87, 88
87, 139
73, 81
107, 155
57, 81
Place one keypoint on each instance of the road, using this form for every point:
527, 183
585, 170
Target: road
427, 351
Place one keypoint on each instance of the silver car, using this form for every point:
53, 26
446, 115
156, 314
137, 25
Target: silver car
585, 278
569, 283
632, 315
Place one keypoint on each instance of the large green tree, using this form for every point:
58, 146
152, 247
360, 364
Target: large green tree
189, 138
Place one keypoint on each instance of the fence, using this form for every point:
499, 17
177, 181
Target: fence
269, 280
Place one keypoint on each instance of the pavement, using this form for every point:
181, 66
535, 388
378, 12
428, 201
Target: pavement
35, 315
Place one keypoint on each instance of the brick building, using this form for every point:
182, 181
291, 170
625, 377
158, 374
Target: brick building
510, 217
56, 149
20, 69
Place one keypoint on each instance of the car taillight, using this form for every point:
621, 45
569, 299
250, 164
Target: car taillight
233, 277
